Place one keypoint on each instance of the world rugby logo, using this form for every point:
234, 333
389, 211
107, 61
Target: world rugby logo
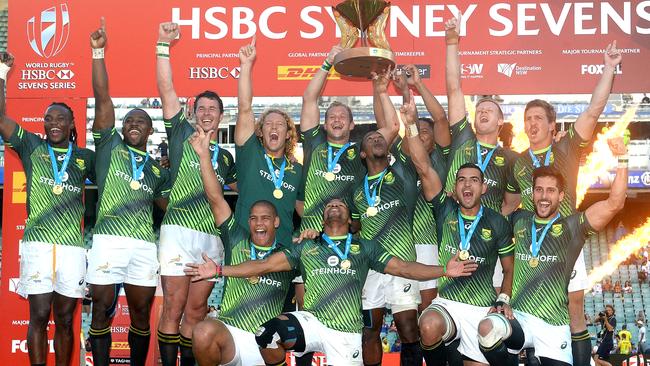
48, 34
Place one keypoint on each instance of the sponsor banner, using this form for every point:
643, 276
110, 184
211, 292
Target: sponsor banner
506, 48
14, 320
639, 179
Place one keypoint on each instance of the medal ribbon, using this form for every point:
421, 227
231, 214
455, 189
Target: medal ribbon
277, 181
465, 237
536, 163
335, 247
58, 174
331, 163
215, 154
479, 157
137, 170
535, 244
366, 189
265, 251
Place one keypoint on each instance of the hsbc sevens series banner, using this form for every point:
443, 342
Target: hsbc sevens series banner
508, 47
14, 317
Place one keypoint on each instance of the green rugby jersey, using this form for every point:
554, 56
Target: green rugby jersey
498, 173
245, 305
52, 218
491, 240
122, 211
565, 157
424, 223
543, 291
333, 294
188, 206
318, 191
392, 227
255, 183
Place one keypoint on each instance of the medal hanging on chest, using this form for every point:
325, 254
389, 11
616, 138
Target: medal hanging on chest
466, 237
254, 255
345, 263
332, 161
59, 174
137, 172
535, 244
277, 179
371, 197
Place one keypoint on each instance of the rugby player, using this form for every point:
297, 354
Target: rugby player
53, 258
334, 266
547, 244
187, 229
124, 249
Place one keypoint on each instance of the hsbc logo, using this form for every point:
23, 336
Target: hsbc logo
48, 33
63, 74
224, 72
598, 69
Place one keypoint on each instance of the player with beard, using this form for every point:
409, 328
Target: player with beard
334, 266
247, 303
266, 167
53, 258
480, 147
469, 229
547, 245
187, 229
124, 249
540, 125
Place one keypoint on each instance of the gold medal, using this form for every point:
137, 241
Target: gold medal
57, 189
533, 262
254, 280
464, 255
372, 211
135, 185
277, 193
330, 176
345, 264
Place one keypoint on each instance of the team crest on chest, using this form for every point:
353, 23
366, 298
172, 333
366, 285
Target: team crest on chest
81, 164
155, 171
351, 154
499, 161
389, 178
486, 234
355, 249
557, 230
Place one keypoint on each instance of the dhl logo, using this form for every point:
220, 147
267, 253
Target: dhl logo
303, 73
120, 345
19, 189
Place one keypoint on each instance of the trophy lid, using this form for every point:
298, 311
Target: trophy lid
361, 12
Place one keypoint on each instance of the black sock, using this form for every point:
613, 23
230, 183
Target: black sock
168, 344
498, 355
530, 357
581, 348
410, 354
187, 357
305, 360
139, 344
100, 344
454, 357
434, 355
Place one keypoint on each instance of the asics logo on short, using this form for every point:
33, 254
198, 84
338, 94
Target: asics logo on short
355, 354
563, 346
407, 287
573, 274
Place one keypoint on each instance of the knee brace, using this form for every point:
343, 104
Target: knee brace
288, 332
450, 332
501, 330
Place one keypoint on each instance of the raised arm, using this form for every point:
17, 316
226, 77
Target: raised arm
455, 98
389, 125
220, 208
431, 183
7, 125
245, 118
586, 122
276, 262
422, 272
441, 133
104, 110
601, 213
310, 114
167, 33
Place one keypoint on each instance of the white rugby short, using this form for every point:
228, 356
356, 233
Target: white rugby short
388, 291
340, 348
427, 254
466, 319
579, 280
117, 259
180, 245
45, 268
550, 341
246, 349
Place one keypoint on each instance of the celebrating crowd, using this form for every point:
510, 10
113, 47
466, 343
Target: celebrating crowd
469, 244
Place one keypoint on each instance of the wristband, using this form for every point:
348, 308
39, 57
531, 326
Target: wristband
444, 270
162, 49
219, 271
4, 69
327, 66
503, 299
98, 53
412, 130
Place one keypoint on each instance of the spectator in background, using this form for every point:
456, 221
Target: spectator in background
597, 289
627, 289
625, 341
640, 317
608, 323
642, 336
618, 289
155, 103
397, 346
642, 275
607, 285
620, 232
645, 99
384, 345
144, 103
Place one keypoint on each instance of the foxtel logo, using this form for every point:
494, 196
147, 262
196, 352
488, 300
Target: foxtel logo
598, 69
303, 73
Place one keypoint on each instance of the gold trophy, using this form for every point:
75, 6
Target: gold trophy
365, 19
